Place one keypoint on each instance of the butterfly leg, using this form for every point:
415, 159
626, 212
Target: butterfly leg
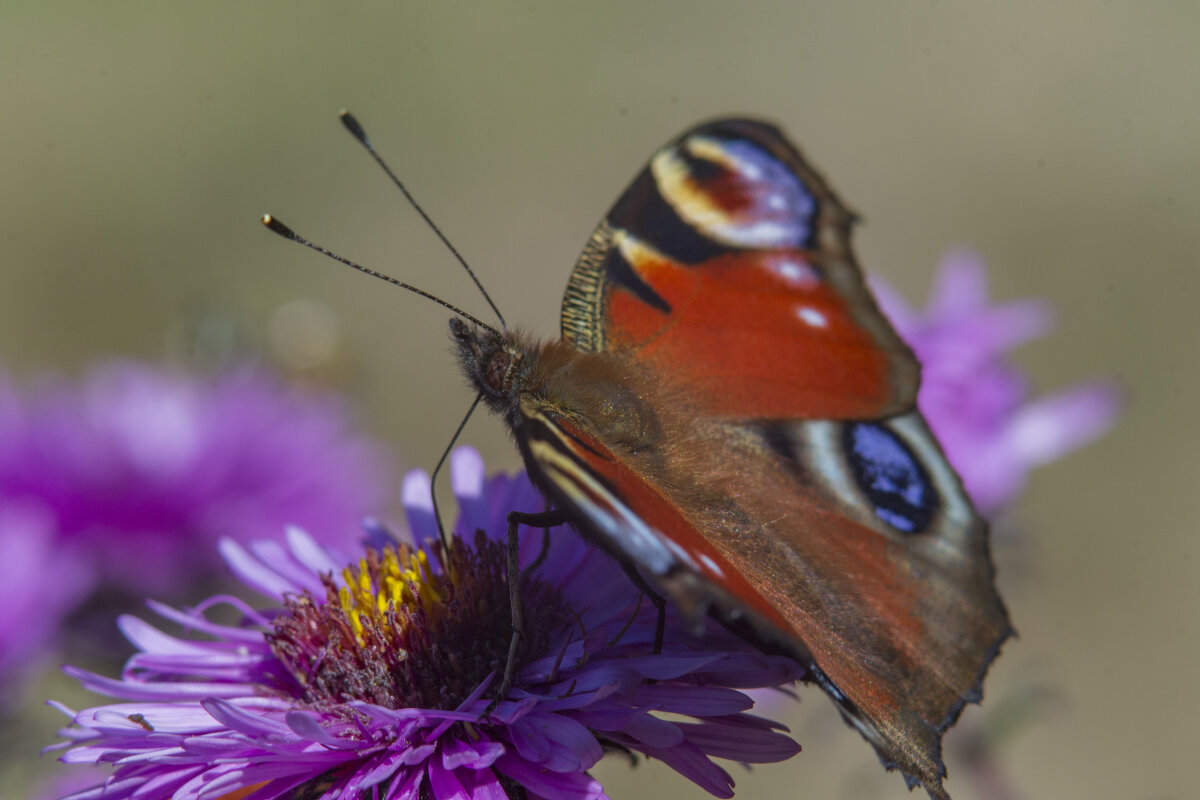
660, 603
542, 519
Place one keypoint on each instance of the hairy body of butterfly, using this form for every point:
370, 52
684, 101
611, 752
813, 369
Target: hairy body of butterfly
729, 413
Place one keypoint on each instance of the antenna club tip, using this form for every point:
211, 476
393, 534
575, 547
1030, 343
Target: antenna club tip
278, 227
351, 124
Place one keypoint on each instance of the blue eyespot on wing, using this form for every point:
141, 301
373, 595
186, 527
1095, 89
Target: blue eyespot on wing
893, 480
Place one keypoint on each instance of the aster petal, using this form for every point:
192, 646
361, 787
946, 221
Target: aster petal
424, 715
550, 785
505, 711
595, 683
137, 719
245, 720
606, 717
476, 755
507, 493
408, 787
315, 558
108, 790
668, 666
148, 691
960, 285
1001, 328
281, 560
487, 786
582, 698
556, 742
217, 665
194, 620
418, 755
467, 475
690, 762
164, 785
88, 754
62, 708
355, 784
1053, 426
145, 636
221, 780
377, 535
252, 572
278, 787
748, 670
701, 701
382, 768
652, 732
417, 499
739, 742
306, 725
445, 784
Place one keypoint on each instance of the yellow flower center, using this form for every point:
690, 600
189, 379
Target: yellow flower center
409, 628
395, 578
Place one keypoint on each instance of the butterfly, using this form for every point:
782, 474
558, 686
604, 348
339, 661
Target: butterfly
729, 414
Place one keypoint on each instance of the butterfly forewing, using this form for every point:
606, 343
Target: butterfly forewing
728, 262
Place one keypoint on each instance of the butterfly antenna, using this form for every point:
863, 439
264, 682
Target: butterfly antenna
433, 476
356, 130
287, 233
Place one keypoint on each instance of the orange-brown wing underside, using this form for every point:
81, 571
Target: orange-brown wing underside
898, 626
840, 531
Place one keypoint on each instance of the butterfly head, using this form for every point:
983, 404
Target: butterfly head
492, 361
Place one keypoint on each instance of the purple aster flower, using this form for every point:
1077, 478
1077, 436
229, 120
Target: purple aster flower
139, 470
373, 680
123, 483
976, 401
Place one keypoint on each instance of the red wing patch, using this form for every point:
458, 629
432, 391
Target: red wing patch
723, 335
727, 264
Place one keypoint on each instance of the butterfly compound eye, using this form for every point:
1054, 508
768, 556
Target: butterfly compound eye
495, 370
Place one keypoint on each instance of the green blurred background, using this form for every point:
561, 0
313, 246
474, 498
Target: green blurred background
141, 141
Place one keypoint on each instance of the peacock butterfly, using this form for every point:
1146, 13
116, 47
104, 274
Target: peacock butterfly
730, 415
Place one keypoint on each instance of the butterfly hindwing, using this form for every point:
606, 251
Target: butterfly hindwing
892, 603
921, 619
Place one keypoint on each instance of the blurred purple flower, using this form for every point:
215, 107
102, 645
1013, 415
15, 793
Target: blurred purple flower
977, 401
139, 470
126, 480
41, 586
374, 680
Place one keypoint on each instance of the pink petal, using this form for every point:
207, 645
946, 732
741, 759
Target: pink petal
1053, 426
